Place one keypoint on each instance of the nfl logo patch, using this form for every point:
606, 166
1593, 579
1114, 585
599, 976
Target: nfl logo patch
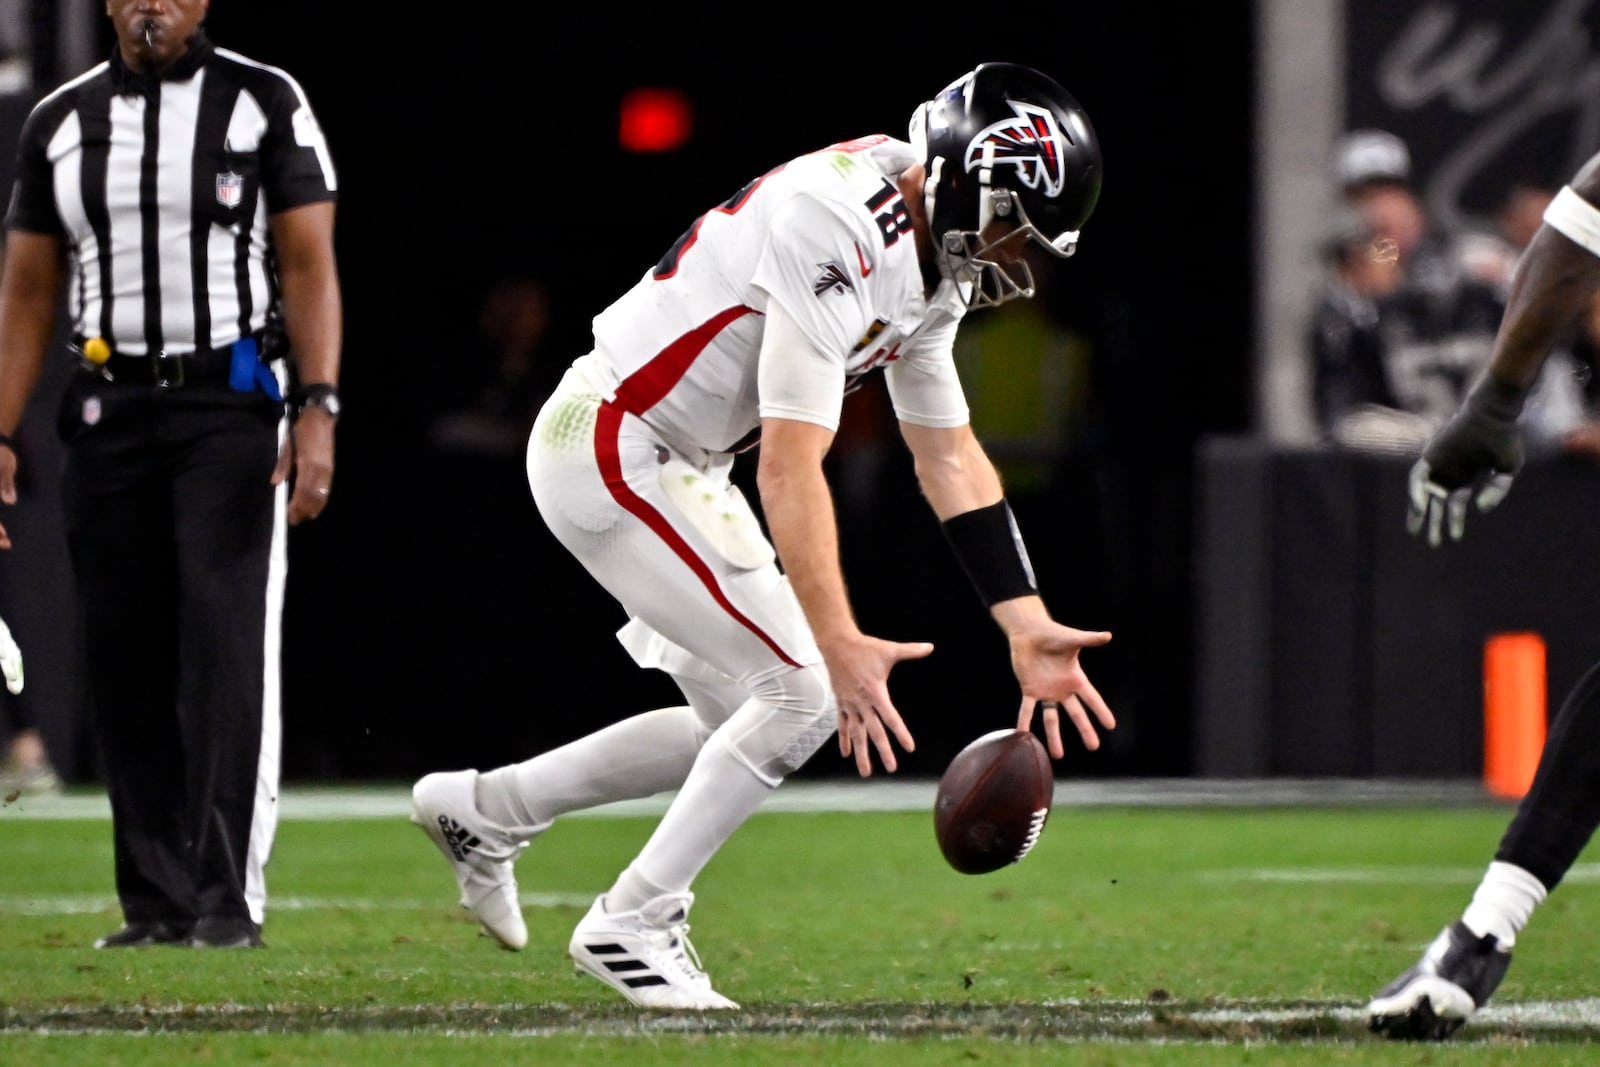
91, 410
230, 188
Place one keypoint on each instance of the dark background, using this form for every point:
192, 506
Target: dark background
432, 622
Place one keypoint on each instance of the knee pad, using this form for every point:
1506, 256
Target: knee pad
790, 716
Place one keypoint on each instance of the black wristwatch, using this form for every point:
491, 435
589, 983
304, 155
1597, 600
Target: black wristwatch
320, 395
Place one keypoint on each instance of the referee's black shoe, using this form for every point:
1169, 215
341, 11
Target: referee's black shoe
140, 934
217, 932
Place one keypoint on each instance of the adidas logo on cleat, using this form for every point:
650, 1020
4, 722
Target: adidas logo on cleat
459, 839
645, 955
627, 966
620, 962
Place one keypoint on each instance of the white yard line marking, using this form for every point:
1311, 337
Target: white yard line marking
94, 904
394, 802
88, 904
316, 804
1253, 1022
1581, 872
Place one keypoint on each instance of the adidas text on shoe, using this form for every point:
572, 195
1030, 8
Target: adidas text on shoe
480, 853
1455, 977
645, 955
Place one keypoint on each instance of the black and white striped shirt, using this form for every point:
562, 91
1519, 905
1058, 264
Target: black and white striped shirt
162, 186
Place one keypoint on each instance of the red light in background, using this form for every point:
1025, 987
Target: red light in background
655, 120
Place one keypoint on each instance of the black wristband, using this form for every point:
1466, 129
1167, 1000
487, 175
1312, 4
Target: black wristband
7, 442
990, 548
320, 395
315, 391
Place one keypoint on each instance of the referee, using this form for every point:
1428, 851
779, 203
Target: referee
181, 197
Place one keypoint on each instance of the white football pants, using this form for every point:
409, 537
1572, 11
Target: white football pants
670, 537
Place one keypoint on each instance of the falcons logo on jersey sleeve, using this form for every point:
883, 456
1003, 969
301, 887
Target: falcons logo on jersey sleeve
833, 279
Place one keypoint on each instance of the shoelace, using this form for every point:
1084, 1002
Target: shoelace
681, 951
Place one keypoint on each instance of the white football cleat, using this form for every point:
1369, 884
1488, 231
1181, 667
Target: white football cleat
645, 955
480, 852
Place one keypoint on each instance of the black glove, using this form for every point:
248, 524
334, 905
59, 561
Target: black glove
1473, 457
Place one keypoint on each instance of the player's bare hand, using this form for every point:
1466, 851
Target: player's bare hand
8, 487
307, 452
1045, 658
1051, 712
859, 669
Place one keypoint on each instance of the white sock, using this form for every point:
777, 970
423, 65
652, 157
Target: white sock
720, 793
1503, 903
631, 890
637, 757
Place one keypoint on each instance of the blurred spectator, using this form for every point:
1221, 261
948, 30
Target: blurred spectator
1522, 210
493, 390
1373, 171
27, 770
1354, 402
16, 68
1407, 315
1578, 352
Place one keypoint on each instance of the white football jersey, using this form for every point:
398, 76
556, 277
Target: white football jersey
826, 235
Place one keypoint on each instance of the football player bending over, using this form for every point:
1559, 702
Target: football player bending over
859, 257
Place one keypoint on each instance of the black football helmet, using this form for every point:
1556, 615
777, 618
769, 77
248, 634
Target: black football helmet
1006, 142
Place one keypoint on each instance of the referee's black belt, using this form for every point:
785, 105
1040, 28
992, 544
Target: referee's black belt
205, 366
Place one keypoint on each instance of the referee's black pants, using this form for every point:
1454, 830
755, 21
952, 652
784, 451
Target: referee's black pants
174, 530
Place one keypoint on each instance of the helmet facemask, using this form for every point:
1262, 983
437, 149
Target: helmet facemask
992, 266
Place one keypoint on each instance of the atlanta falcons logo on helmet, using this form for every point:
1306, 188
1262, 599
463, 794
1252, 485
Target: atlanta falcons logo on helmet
1033, 142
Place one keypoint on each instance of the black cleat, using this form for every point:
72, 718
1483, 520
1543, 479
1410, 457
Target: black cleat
1454, 978
140, 934
214, 932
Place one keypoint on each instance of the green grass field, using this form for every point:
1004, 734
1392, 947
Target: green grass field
1130, 935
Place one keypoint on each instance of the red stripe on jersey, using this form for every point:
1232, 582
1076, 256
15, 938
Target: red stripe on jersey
605, 450
727, 207
644, 388
859, 144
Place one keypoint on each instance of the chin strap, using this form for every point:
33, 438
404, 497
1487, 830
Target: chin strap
986, 212
930, 186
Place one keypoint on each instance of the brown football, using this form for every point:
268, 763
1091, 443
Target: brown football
993, 800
